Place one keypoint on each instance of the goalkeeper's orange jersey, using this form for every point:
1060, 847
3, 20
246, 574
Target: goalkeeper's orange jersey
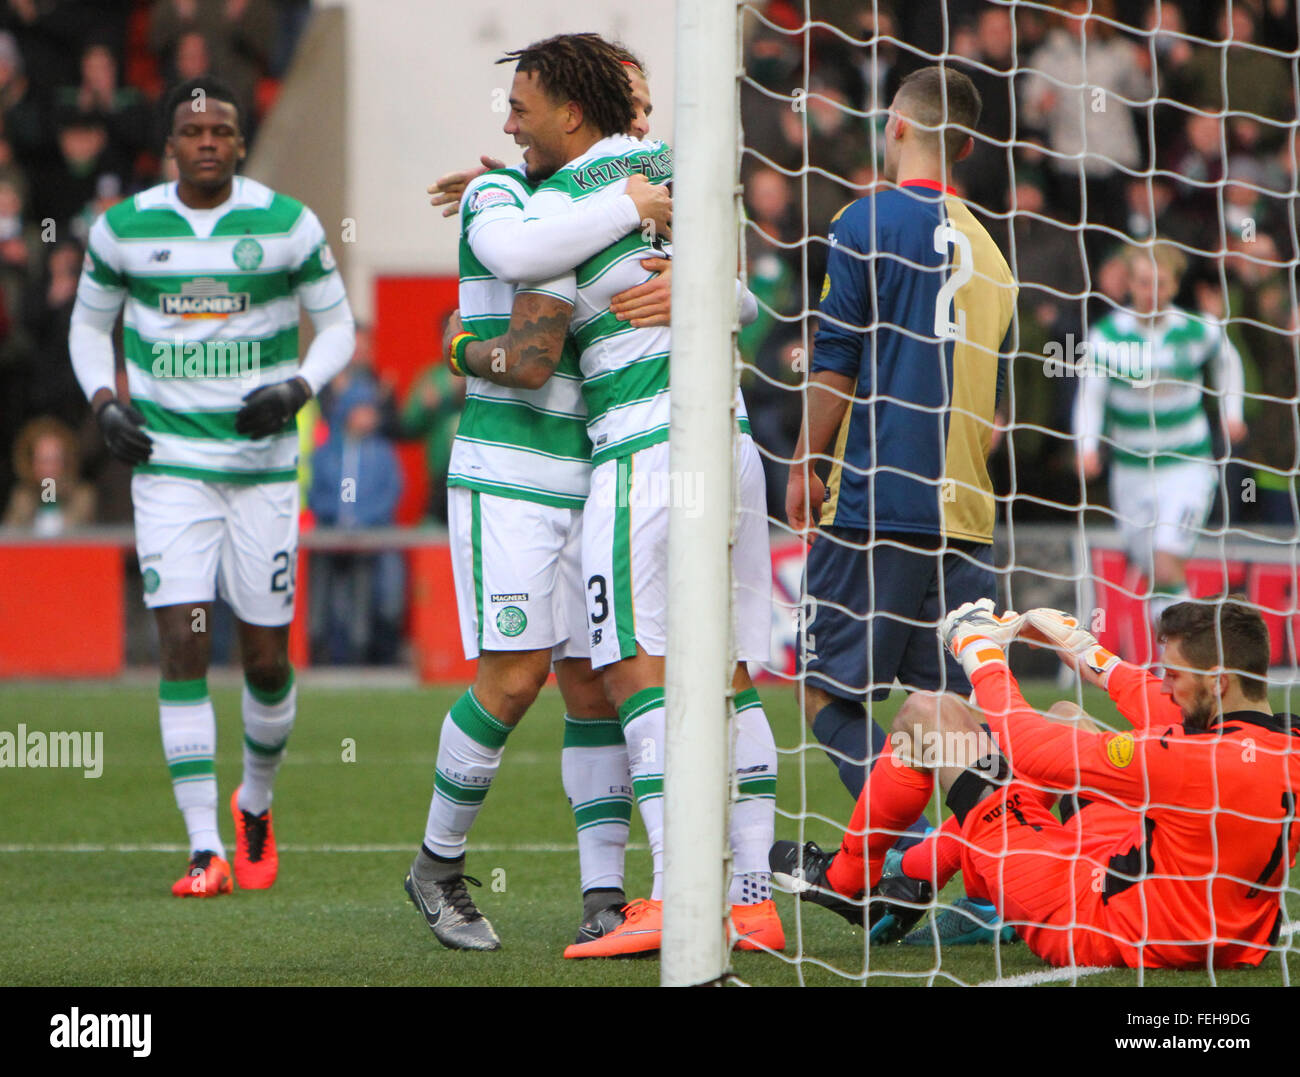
1193, 866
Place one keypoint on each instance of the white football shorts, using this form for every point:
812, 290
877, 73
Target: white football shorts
1162, 508
518, 571
625, 555
194, 536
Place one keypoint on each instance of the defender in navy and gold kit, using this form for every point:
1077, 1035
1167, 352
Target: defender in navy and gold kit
907, 362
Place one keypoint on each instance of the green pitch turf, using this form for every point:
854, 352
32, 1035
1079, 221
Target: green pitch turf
86, 864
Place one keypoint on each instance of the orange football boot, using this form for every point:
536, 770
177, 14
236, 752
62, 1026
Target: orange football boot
208, 876
757, 927
256, 861
640, 934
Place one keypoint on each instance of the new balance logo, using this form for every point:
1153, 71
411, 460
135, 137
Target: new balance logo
160, 256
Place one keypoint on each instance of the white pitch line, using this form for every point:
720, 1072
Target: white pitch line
290, 847
1044, 976
1029, 979
1024, 980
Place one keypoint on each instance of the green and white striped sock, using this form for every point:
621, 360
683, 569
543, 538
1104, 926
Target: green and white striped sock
593, 765
189, 736
268, 721
469, 753
642, 717
753, 815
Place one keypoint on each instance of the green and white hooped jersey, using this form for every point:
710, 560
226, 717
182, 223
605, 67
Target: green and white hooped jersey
522, 443
624, 370
211, 313
1145, 383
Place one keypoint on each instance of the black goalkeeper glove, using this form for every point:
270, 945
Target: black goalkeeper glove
268, 409
120, 424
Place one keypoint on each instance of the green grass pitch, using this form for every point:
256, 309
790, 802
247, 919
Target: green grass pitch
86, 864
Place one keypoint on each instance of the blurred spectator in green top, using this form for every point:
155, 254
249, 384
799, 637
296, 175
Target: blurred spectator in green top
432, 412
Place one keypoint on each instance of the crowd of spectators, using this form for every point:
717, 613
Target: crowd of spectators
1105, 124
80, 129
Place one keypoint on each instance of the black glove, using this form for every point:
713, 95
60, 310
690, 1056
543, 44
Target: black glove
268, 409
120, 424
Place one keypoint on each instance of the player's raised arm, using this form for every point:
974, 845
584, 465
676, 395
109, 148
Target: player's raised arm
650, 304
1057, 755
526, 355
1076, 646
446, 190
1135, 691
520, 246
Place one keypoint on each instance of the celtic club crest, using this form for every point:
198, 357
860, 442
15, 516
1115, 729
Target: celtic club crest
247, 254
511, 621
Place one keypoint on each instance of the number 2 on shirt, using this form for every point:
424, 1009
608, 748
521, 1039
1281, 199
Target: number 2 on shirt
944, 327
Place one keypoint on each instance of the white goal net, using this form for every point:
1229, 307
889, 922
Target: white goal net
1136, 166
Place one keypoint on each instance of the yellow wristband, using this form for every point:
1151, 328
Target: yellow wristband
456, 353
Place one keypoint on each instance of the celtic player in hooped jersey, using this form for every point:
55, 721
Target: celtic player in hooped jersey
624, 532
519, 476
211, 271
1142, 389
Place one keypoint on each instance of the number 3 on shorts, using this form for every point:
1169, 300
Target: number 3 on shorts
599, 600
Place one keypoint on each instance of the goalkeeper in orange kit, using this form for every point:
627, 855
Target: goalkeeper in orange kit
1178, 851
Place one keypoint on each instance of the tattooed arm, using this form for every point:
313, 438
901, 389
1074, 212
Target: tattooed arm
525, 356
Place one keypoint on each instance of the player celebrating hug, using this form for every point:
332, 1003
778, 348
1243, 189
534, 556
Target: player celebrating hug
519, 476
624, 370
1179, 851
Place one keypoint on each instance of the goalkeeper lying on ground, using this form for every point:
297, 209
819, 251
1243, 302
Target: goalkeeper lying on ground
1178, 852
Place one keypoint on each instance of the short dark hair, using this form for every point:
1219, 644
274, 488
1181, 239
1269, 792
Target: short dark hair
584, 68
927, 91
184, 94
1225, 633
627, 57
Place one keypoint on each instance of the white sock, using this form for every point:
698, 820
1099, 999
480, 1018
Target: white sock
268, 721
753, 813
189, 736
469, 752
593, 765
642, 717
